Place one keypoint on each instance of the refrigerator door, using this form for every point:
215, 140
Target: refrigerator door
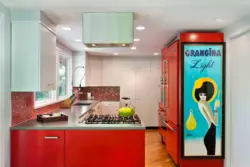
173, 84
172, 141
164, 73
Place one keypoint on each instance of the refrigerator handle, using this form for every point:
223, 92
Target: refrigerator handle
170, 127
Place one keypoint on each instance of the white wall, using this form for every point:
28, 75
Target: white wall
138, 78
5, 95
237, 90
79, 59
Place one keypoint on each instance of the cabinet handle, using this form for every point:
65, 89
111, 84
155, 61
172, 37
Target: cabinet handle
170, 127
161, 113
51, 137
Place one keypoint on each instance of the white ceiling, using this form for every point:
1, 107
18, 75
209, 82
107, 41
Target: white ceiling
163, 19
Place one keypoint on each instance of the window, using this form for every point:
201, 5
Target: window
64, 66
63, 78
42, 96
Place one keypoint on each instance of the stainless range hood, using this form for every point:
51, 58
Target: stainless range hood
108, 29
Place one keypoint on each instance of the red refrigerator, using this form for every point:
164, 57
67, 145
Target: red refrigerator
171, 115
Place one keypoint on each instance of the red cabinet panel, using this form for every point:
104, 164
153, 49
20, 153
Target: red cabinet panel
202, 163
172, 142
105, 148
202, 37
37, 148
173, 84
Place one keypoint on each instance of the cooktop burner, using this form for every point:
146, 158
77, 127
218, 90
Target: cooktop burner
112, 119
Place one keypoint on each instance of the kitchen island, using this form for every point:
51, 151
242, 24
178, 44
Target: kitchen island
73, 144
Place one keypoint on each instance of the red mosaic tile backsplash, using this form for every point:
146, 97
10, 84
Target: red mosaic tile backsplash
23, 107
23, 102
104, 93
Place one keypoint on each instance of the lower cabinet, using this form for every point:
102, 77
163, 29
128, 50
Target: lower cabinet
77, 148
37, 148
105, 148
172, 142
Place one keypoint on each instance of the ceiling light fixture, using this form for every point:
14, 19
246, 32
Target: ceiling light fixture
219, 20
116, 54
140, 28
78, 40
66, 28
136, 40
156, 54
93, 44
133, 48
193, 37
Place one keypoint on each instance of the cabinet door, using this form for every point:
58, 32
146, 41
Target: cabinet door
173, 84
172, 141
37, 148
48, 60
105, 148
127, 83
147, 96
24, 57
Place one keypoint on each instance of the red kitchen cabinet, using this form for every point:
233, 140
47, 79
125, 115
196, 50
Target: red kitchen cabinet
173, 83
37, 148
172, 141
105, 148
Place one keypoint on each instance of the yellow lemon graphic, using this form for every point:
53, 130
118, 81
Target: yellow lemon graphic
191, 122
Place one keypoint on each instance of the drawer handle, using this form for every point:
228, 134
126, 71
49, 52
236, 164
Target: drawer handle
170, 127
51, 137
162, 113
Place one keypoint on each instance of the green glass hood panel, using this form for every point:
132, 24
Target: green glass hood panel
108, 28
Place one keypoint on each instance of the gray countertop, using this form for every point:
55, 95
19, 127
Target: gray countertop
72, 124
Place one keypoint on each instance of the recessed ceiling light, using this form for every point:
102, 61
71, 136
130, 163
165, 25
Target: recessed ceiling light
219, 20
78, 40
123, 44
140, 28
116, 54
193, 37
66, 28
136, 39
133, 48
156, 54
93, 44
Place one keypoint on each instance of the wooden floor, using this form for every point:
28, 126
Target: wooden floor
156, 155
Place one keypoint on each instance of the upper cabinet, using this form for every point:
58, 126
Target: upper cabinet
33, 53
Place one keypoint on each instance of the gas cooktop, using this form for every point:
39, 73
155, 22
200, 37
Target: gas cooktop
111, 119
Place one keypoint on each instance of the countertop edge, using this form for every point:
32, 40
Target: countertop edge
80, 128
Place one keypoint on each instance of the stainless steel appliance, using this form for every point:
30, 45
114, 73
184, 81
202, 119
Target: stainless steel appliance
110, 119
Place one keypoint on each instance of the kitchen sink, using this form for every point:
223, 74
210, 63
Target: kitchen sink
82, 104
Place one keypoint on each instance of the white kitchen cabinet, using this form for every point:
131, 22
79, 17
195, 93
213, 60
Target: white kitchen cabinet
33, 58
141, 63
155, 63
94, 71
147, 92
108, 107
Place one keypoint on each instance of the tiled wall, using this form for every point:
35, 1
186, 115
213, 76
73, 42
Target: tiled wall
104, 93
23, 102
23, 107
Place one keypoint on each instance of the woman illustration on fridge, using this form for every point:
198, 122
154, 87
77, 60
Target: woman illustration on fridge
205, 90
